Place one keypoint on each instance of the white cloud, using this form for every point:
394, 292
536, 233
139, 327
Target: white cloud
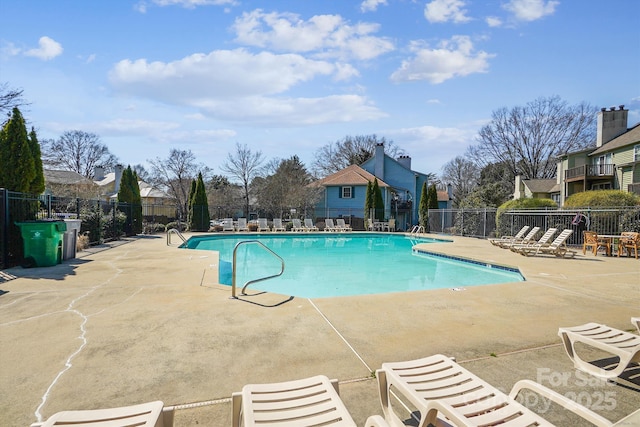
219, 74
9, 49
294, 112
324, 35
531, 10
238, 85
493, 21
430, 147
454, 58
446, 10
47, 49
371, 5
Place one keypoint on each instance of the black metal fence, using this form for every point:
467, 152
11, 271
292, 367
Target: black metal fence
108, 220
485, 223
101, 220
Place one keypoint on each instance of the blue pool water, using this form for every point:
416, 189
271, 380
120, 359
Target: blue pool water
328, 265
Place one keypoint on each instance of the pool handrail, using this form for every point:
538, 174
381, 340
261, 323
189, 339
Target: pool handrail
174, 231
233, 268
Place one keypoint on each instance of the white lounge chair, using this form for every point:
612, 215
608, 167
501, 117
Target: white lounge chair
636, 322
151, 414
277, 225
263, 225
329, 225
524, 241
558, 247
306, 402
309, 226
242, 225
504, 239
297, 225
227, 224
445, 393
544, 240
370, 225
389, 225
341, 225
622, 344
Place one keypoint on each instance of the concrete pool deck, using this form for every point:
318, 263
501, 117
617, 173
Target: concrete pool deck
144, 321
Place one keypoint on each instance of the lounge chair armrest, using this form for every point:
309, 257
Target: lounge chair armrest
561, 400
376, 421
435, 407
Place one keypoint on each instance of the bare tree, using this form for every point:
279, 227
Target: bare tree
463, 175
175, 174
77, 151
529, 139
244, 165
351, 150
287, 187
10, 98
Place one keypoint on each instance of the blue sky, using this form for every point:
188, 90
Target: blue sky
288, 77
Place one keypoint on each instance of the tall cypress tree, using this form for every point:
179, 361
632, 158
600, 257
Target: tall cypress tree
192, 195
200, 207
432, 196
368, 203
129, 193
137, 205
37, 185
423, 208
378, 203
17, 165
20, 172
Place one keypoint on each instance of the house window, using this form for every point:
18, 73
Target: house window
636, 153
347, 193
604, 186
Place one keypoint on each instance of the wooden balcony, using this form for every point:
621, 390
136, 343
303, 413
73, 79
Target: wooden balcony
589, 171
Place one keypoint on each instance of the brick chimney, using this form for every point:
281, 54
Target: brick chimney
611, 123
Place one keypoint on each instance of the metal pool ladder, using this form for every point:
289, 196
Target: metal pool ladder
233, 271
172, 231
417, 229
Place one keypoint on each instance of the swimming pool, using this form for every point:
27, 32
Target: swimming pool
327, 265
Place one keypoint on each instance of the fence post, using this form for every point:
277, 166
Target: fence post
4, 223
484, 224
48, 201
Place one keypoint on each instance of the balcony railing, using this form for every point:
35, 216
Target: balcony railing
589, 171
634, 188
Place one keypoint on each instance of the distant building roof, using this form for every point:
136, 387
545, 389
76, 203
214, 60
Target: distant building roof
351, 175
443, 196
540, 185
65, 177
629, 137
108, 179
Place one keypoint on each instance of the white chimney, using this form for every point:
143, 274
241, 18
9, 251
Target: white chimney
98, 173
611, 123
117, 169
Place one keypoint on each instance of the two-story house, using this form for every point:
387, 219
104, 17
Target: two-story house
345, 190
613, 164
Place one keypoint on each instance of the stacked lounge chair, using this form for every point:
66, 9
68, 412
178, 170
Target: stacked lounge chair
510, 239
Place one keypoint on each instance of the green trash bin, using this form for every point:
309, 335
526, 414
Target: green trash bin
42, 241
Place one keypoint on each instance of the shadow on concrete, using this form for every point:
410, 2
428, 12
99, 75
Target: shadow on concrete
247, 298
56, 272
630, 377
